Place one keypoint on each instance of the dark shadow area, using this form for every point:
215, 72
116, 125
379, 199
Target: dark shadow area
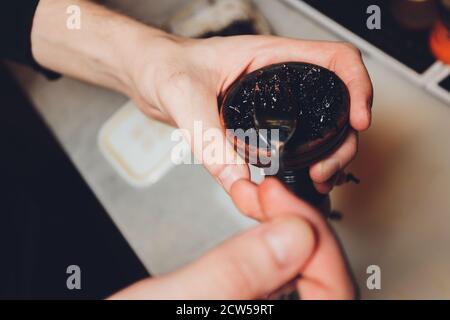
49, 218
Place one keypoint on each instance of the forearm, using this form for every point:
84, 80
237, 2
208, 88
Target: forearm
102, 51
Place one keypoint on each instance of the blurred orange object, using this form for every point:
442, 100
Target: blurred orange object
440, 42
415, 14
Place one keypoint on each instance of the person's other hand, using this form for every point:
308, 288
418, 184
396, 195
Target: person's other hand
179, 80
293, 240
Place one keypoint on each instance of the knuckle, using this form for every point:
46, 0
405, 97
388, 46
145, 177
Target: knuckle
353, 145
352, 148
350, 48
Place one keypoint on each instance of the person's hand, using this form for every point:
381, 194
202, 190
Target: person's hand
294, 240
179, 82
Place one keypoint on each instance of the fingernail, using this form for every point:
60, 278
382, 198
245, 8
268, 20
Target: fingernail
290, 241
323, 188
329, 168
229, 175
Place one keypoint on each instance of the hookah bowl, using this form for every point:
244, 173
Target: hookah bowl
315, 98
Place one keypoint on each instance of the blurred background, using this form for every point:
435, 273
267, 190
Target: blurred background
398, 217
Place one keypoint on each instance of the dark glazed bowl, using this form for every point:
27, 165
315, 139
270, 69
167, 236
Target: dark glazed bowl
322, 102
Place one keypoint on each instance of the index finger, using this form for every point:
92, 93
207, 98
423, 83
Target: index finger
349, 66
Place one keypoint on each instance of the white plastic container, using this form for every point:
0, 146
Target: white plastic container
139, 148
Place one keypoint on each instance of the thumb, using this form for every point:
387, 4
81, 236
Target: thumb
194, 109
249, 266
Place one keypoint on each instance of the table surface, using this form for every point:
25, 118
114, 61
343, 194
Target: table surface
398, 218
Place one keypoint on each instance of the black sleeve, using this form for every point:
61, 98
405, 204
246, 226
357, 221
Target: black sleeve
16, 21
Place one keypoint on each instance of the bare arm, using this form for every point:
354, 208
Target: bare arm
177, 80
100, 52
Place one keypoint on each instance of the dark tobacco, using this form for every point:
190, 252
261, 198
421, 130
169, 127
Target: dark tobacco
310, 106
318, 94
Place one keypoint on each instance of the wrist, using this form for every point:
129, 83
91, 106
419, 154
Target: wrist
155, 59
145, 51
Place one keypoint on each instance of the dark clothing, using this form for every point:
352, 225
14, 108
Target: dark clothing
16, 21
49, 218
